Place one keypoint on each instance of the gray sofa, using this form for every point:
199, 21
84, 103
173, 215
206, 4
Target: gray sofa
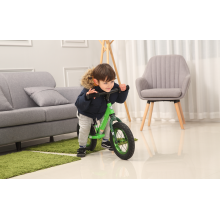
27, 120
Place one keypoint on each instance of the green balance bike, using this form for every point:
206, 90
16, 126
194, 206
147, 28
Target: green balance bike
121, 137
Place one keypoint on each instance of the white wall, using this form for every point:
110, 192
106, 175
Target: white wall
66, 64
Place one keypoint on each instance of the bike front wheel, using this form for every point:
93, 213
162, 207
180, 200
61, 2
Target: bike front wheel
125, 147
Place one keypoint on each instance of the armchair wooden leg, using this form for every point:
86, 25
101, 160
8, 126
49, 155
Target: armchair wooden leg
151, 111
146, 144
178, 114
152, 141
181, 112
145, 115
181, 143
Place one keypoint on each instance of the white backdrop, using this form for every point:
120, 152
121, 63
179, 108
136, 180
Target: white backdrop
202, 100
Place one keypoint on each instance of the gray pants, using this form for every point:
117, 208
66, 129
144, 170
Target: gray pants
85, 126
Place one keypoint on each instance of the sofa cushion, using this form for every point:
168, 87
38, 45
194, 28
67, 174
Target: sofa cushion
161, 93
22, 116
4, 104
5, 89
70, 93
46, 96
60, 112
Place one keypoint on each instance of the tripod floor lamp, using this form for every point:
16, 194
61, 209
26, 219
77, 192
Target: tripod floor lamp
106, 46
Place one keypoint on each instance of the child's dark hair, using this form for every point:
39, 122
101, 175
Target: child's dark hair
104, 72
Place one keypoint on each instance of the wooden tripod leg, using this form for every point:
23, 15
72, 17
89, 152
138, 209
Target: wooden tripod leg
181, 112
178, 114
116, 71
107, 52
145, 115
151, 111
126, 107
102, 51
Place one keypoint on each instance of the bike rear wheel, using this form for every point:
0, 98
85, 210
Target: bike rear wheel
126, 144
91, 143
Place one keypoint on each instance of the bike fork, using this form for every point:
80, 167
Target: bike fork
95, 124
113, 118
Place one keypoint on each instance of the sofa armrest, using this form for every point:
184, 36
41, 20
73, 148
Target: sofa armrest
70, 93
141, 84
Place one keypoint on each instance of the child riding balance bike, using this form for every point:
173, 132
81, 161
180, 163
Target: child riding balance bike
96, 104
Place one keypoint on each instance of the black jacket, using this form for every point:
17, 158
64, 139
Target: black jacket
95, 108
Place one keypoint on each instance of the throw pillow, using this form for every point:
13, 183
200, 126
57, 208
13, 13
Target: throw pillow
46, 96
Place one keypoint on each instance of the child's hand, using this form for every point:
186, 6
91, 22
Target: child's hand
122, 87
91, 91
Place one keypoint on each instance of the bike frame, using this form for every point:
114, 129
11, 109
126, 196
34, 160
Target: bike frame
99, 129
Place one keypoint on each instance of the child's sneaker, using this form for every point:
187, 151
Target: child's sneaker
81, 152
107, 145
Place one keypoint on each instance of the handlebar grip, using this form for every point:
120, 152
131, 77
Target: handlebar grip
92, 95
127, 88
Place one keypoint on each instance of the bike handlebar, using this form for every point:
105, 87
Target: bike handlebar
90, 96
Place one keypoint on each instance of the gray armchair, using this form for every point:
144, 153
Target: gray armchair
166, 78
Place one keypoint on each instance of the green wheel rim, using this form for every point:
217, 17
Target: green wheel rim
122, 142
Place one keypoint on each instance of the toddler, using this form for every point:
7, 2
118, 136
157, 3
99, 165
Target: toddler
95, 80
